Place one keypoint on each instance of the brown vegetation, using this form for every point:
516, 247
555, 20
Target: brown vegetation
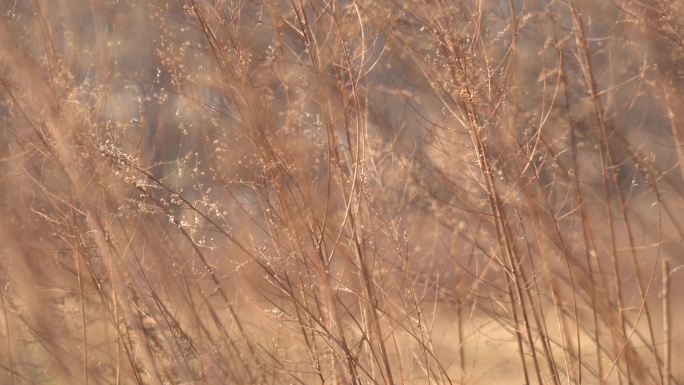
341, 192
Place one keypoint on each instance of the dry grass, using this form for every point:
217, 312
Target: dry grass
336, 192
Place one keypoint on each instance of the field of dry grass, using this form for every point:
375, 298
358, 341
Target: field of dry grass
341, 192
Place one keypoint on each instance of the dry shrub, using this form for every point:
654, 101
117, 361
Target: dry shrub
369, 192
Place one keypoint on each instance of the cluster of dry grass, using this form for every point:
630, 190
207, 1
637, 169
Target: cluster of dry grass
341, 192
